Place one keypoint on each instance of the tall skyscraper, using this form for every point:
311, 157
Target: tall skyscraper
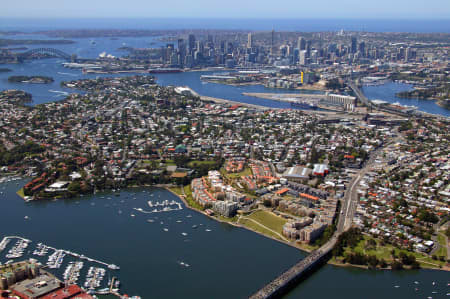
272, 42
191, 43
302, 57
249, 40
181, 50
301, 43
308, 47
354, 45
362, 48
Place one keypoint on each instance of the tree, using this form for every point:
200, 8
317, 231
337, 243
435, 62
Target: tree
372, 261
74, 187
396, 265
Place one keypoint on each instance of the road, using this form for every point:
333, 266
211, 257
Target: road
361, 97
351, 198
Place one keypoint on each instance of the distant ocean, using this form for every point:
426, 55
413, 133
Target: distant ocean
304, 25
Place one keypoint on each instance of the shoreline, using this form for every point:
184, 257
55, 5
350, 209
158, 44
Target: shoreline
330, 262
237, 225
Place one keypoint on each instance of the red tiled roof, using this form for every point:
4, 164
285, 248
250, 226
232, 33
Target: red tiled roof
72, 291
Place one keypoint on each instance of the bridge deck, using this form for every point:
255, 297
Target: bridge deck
278, 284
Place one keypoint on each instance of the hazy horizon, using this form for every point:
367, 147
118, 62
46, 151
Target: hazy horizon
246, 24
236, 9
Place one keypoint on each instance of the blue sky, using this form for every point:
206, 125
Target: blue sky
405, 9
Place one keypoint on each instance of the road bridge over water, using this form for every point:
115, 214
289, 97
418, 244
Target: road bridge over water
283, 283
50, 52
361, 97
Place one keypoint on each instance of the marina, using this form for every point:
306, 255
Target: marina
163, 206
72, 272
55, 260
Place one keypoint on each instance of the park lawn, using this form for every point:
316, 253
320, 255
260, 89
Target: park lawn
190, 200
442, 251
176, 190
268, 219
245, 172
170, 163
258, 228
384, 252
226, 219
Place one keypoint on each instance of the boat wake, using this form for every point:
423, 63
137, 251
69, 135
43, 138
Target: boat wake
67, 74
59, 92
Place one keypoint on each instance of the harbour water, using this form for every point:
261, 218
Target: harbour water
386, 92
225, 262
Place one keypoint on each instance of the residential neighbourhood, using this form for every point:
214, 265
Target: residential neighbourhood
236, 161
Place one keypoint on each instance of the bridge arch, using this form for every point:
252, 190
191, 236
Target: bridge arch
48, 51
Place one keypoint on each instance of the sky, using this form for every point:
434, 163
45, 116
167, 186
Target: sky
293, 9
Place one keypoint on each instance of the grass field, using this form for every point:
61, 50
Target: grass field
246, 171
268, 219
254, 226
176, 190
442, 251
190, 200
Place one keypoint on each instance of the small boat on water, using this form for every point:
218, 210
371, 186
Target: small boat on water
166, 229
184, 234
